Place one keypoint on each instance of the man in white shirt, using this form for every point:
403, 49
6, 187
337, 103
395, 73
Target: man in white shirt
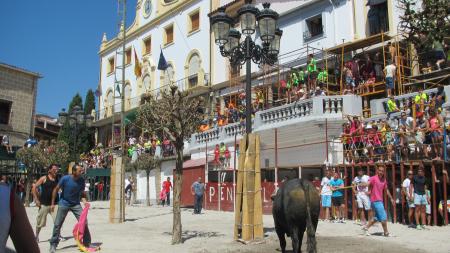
409, 197
389, 72
326, 194
361, 190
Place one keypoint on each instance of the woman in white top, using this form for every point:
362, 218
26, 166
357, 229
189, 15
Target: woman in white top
14, 222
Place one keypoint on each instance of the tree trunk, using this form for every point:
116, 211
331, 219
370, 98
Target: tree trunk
176, 229
28, 183
134, 189
158, 182
147, 198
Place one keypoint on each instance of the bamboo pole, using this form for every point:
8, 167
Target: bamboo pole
258, 231
239, 188
342, 68
248, 190
354, 209
394, 193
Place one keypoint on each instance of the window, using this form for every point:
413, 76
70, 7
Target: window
378, 17
128, 56
169, 75
194, 20
127, 96
111, 65
194, 67
5, 111
168, 35
109, 103
313, 27
148, 45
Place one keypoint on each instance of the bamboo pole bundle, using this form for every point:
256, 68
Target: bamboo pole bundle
239, 188
258, 231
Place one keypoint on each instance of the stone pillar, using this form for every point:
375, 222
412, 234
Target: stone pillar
116, 202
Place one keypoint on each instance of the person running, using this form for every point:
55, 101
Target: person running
326, 194
409, 197
377, 187
44, 198
361, 190
14, 222
72, 187
197, 189
128, 191
419, 188
337, 197
167, 185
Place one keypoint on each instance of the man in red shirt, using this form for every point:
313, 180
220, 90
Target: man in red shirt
167, 185
377, 186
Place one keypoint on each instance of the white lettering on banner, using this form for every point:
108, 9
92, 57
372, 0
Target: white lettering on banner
229, 193
221, 192
212, 192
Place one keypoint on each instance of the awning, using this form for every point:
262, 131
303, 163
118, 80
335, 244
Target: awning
98, 172
361, 43
196, 162
131, 116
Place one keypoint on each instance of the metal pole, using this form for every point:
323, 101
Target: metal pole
326, 139
122, 117
444, 202
394, 208
248, 87
234, 174
402, 176
276, 160
433, 193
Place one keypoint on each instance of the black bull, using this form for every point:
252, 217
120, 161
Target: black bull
296, 208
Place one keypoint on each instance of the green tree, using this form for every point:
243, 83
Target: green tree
174, 116
76, 101
89, 102
426, 23
38, 158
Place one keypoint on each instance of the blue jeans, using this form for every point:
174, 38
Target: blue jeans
59, 220
168, 198
198, 202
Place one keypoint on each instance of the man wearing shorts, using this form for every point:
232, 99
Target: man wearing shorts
44, 198
361, 190
377, 187
389, 72
421, 199
326, 194
337, 198
409, 197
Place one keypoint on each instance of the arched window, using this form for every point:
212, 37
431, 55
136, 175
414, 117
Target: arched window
193, 69
127, 95
109, 103
169, 76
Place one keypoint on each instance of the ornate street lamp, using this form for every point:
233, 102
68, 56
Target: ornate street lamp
75, 119
244, 52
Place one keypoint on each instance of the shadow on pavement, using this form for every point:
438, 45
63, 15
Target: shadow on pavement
186, 235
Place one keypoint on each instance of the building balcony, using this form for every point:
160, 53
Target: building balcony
315, 109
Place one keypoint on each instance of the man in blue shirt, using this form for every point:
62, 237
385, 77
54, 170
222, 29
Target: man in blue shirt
337, 198
72, 187
197, 189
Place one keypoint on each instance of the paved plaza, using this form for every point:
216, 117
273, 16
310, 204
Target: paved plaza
148, 229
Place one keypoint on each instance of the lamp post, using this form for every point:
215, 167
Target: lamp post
241, 52
75, 119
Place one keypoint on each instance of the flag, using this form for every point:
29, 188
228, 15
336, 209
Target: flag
137, 65
118, 89
162, 63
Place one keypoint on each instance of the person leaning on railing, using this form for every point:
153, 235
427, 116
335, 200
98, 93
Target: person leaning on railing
436, 122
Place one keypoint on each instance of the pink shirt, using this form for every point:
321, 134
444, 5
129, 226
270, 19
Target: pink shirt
378, 187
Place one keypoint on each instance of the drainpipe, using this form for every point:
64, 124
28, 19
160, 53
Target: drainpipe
355, 31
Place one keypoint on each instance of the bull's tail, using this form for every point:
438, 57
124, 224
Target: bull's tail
310, 230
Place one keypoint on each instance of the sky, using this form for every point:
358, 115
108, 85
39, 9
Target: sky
59, 39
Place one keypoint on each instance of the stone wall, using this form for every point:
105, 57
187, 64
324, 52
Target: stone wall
18, 87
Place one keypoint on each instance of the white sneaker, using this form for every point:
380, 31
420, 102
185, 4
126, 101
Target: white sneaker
52, 249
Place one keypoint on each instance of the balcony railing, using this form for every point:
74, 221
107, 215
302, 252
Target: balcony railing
317, 107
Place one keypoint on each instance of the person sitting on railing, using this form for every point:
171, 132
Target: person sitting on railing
421, 99
436, 122
301, 76
319, 92
402, 142
387, 137
373, 142
357, 132
301, 94
420, 129
438, 48
322, 77
439, 98
427, 69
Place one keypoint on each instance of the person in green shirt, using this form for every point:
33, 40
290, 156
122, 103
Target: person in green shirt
301, 76
391, 105
312, 71
421, 99
322, 76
